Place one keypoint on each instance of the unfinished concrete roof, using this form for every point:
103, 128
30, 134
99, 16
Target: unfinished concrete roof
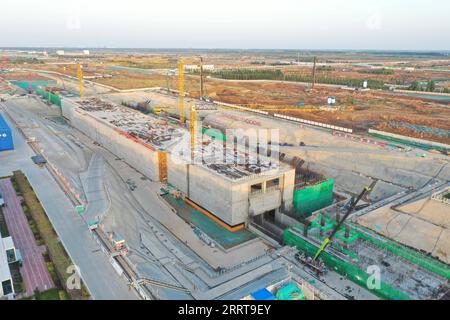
151, 130
236, 165
159, 133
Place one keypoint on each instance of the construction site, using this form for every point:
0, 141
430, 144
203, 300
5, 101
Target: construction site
204, 188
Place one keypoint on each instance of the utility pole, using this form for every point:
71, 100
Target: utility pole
314, 74
201, 77
181, 90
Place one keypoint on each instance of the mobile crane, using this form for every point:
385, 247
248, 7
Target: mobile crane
317, 264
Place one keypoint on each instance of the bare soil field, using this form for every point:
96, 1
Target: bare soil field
360, 109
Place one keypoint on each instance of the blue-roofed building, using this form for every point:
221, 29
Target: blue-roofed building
6, 139
263, 294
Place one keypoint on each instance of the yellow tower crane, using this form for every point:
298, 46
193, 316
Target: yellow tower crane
80, 79
181, 90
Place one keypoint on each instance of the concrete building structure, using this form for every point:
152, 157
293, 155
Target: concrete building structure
232, 191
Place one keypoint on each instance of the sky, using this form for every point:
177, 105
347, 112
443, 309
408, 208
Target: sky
243, 24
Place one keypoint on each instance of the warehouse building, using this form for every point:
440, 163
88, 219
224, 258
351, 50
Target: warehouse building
6, 139
232, 193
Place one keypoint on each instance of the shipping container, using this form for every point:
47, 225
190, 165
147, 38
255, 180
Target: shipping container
6, 139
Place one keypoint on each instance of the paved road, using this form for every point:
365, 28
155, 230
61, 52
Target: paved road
93, 185
34, 270
99, 276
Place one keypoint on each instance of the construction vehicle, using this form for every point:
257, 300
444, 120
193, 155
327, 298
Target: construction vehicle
317, 264
157, 111
352, 206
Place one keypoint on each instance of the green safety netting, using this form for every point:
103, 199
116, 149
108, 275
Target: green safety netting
34, 84
39, 87
412, 256
321, 224
312, 198
342, 267
50, 97
213, 133
411, 143
290, 292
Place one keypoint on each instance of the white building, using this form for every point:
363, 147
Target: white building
60, 52
7, 256
195, 67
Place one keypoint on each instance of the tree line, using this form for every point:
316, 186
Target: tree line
266, 74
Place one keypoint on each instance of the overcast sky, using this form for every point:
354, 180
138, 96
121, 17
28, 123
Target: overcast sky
287, 24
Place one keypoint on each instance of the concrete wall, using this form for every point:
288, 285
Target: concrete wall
264, 201
226, 201
231, 201
177, 174
136, 155
288, 185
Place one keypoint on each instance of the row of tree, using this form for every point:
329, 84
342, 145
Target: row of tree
251, 74
383, 71
415, 86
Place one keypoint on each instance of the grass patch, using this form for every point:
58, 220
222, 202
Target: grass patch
19, 285
383, 71
57, 258
51, 294
3, 227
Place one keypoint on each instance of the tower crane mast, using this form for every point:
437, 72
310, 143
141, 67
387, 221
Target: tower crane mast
80, 79
181, 91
